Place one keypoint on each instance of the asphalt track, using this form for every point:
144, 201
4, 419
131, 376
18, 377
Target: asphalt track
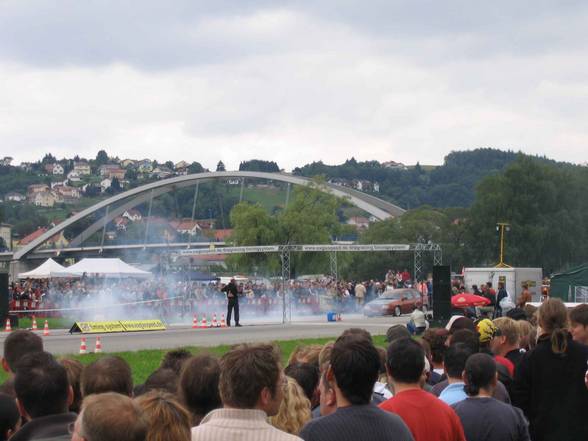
61, 342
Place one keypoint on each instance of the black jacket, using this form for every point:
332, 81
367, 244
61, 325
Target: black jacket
47, 427
550, 389
231, 288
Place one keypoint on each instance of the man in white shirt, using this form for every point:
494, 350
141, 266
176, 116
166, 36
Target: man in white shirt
251, 388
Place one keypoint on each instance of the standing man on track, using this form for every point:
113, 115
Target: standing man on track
233, 298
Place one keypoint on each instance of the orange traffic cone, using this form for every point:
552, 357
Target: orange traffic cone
98, 347
8, 326
83, 345
46, 329
195, 322
214, 322
203, 324
35, 324
223, 323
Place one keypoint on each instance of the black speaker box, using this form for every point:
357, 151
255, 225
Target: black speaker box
3, 297
442, 292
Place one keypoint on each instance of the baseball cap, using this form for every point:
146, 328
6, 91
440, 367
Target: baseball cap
487, 330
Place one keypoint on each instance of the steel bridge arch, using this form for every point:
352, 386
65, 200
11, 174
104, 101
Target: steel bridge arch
378, 208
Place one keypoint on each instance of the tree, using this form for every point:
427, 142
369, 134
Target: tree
169, 165
48, 159
220, 167
131, 175
195, 167
259, 165
114, 186
101, 158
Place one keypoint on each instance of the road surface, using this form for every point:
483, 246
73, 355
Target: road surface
60, 342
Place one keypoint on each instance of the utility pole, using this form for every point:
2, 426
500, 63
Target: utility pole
502, 227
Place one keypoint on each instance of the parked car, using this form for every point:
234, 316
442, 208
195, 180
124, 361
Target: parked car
396, 302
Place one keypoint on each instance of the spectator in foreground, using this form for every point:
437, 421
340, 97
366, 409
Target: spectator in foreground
455, 361
251, 388
484, 418
43, 398
549, 383
198, 387
507, 344
168, 420
9, 417
294, 411
110, 417
426, 416
579, 323
17, 344
175, 360
107, 374
307, 377
353, 370
74, 372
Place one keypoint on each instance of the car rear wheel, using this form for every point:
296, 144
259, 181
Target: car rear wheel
397, 311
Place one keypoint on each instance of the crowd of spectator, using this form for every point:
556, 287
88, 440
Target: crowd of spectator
172, 296
491, 380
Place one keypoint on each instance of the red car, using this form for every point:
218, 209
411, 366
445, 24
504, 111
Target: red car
396, 302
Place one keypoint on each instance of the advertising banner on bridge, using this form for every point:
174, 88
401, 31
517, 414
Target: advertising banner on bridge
117, 326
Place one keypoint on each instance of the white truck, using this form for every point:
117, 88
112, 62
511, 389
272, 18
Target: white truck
513, 279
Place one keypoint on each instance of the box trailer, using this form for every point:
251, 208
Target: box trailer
513, 279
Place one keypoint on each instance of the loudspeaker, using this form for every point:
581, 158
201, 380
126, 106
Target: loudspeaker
3, 297
442, 292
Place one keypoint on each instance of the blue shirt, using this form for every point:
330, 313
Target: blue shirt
453, 393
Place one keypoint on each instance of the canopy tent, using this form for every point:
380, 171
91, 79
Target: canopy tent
45, 271
572, 285
103, 268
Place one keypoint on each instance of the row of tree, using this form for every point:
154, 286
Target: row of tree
544, 202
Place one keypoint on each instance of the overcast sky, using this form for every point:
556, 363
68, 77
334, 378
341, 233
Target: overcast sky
292, 82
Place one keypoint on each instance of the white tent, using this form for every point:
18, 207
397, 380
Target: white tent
103, 268
45, 271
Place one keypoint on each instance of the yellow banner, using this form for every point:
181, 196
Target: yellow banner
97, 327
142, 325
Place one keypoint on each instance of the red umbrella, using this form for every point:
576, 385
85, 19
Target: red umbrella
467, 300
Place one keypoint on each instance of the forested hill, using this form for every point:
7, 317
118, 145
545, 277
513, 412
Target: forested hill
449, 185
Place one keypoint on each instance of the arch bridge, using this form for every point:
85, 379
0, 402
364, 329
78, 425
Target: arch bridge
118, 204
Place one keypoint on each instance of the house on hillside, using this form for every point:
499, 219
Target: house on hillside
33, 189
45, 199
161, 172
144, 166
222, 235
133, 215
376, 187
186, 226
112, 171
6, 236
359, 222
82, 168
206, 224
68, 192
55, 169
14, 196
127, 162
105, 184
181, 165
57, 241
73, 176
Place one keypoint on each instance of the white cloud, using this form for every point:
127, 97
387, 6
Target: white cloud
292, 85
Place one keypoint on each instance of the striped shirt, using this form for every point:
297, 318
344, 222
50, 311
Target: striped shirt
238, 425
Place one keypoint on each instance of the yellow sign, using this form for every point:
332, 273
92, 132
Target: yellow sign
117, 326
97, 327
142, 325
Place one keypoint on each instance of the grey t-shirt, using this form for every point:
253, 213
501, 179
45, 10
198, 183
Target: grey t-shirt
487, 419
357, 423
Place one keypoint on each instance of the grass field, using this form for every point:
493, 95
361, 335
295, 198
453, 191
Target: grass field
143, 363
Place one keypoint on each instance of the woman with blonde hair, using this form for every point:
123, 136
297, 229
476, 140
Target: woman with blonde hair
168, 419
549, 383
294, 410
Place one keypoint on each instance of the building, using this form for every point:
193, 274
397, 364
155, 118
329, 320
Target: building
37, 188
6, 236
45, 199
133, 215
222, 235
394, 164
144, 166
186, 226
82, 168
105, 184
57, 241
376, 187
68, 192
73, 176
127, 162
181, 165
359, 222
112, 171
13, 196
